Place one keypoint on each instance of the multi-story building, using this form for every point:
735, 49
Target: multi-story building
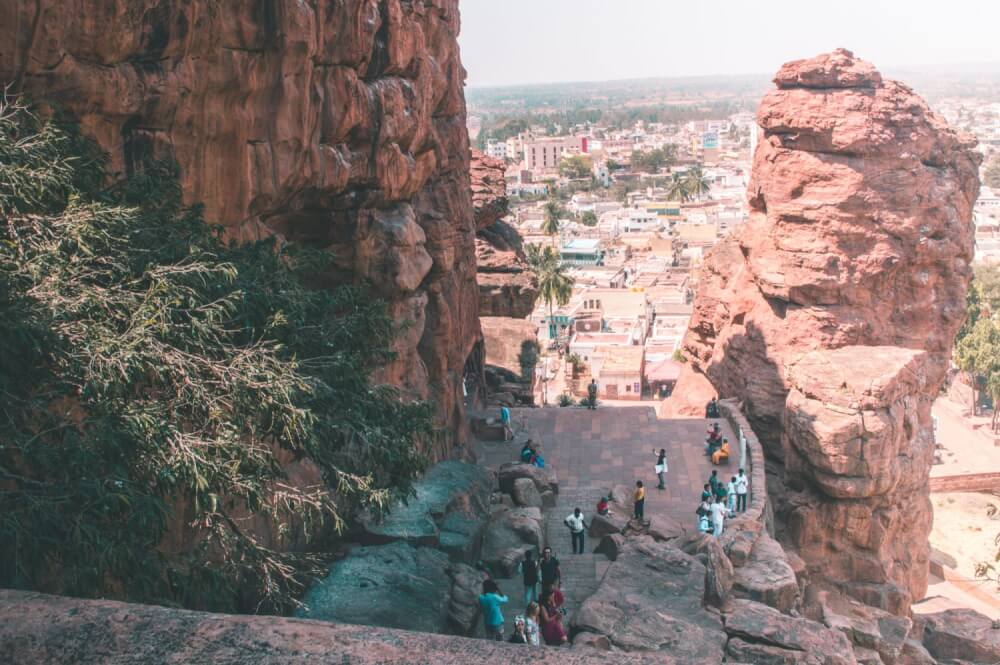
545, 154
496, 149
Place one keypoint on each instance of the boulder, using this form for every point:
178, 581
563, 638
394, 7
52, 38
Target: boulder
463, 601
867, 656
544, 479
719, 571
767, 577
961, 635
447, 487
650, 599
809, 641
606, 525
867, 626
611, 546
914, 653
587, 640
665, 528
525, 493
509, 534
395, 586
461, 536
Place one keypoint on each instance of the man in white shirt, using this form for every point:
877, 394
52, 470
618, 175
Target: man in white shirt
718, 516
742, 482
577, 524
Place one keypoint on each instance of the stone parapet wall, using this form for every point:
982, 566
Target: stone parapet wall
746, 526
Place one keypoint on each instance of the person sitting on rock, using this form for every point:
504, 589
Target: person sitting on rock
722, 454
490, 601
603, 507
528, 452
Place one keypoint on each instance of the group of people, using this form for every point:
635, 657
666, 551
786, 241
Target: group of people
716, 445
720, 500
542, 620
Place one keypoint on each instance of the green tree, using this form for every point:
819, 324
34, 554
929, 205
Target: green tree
991, 176
555, 286
588, 218
154, 377
552, 224
575, 167
978, 353
652, 161
697, 182
678, 189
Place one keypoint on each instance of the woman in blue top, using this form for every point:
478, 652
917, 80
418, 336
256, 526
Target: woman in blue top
490, 601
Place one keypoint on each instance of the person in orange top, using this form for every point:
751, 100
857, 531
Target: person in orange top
722, 453
639, 499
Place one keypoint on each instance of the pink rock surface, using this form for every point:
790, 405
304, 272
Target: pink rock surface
337, 124
36, 628
859, 236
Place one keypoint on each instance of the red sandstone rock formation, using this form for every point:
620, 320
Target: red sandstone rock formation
859, 236
339, 124
506, 287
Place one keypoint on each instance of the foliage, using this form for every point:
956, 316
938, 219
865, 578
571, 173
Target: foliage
978, 353
576, 166
678, 356
565, 400
555, 286
991, 175
588, 218
553, 214
678, 190
697, 182
156, 380
652, 161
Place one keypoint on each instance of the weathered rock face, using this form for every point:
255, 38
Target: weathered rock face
859, 236
340, 125
506, 287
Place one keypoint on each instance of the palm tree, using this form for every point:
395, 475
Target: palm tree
697, 182
678, 190
555, 286
551, 225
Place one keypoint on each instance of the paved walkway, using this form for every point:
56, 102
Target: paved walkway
591, 452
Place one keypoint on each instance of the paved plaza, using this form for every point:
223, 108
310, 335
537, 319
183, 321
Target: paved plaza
591, 452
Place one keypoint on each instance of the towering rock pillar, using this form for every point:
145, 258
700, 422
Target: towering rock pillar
832, 313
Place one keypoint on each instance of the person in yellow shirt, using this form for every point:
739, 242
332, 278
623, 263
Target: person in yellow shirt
639, 499
722, 454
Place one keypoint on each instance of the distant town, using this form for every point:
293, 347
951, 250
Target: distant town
631, 208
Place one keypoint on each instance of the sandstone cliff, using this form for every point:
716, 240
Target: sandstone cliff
337, 124
506, 287
859, 236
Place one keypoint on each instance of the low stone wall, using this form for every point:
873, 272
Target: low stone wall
56, 630
741, 531
969, 482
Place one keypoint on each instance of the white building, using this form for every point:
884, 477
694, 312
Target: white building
496, 149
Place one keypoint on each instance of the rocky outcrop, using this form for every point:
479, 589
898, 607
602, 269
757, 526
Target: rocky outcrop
511, 347
961, 636
651, 598
36, 628
510, 533
859, 236
506, 286
338, 125
761, 634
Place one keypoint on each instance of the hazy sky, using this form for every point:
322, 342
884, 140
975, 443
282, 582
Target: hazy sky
538, 41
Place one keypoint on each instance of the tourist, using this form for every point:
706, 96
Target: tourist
661, 468
550, 613
706, 493
639, 501
722, 454
528, 452
731, 495
592, 395
742, 482
576, 524
714, 482
704, 524
520, 635
508, 432
714, 439
529, 574
704, 513
490, 601
531, 621
603, 507
718, 516
712, 409
549, 565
